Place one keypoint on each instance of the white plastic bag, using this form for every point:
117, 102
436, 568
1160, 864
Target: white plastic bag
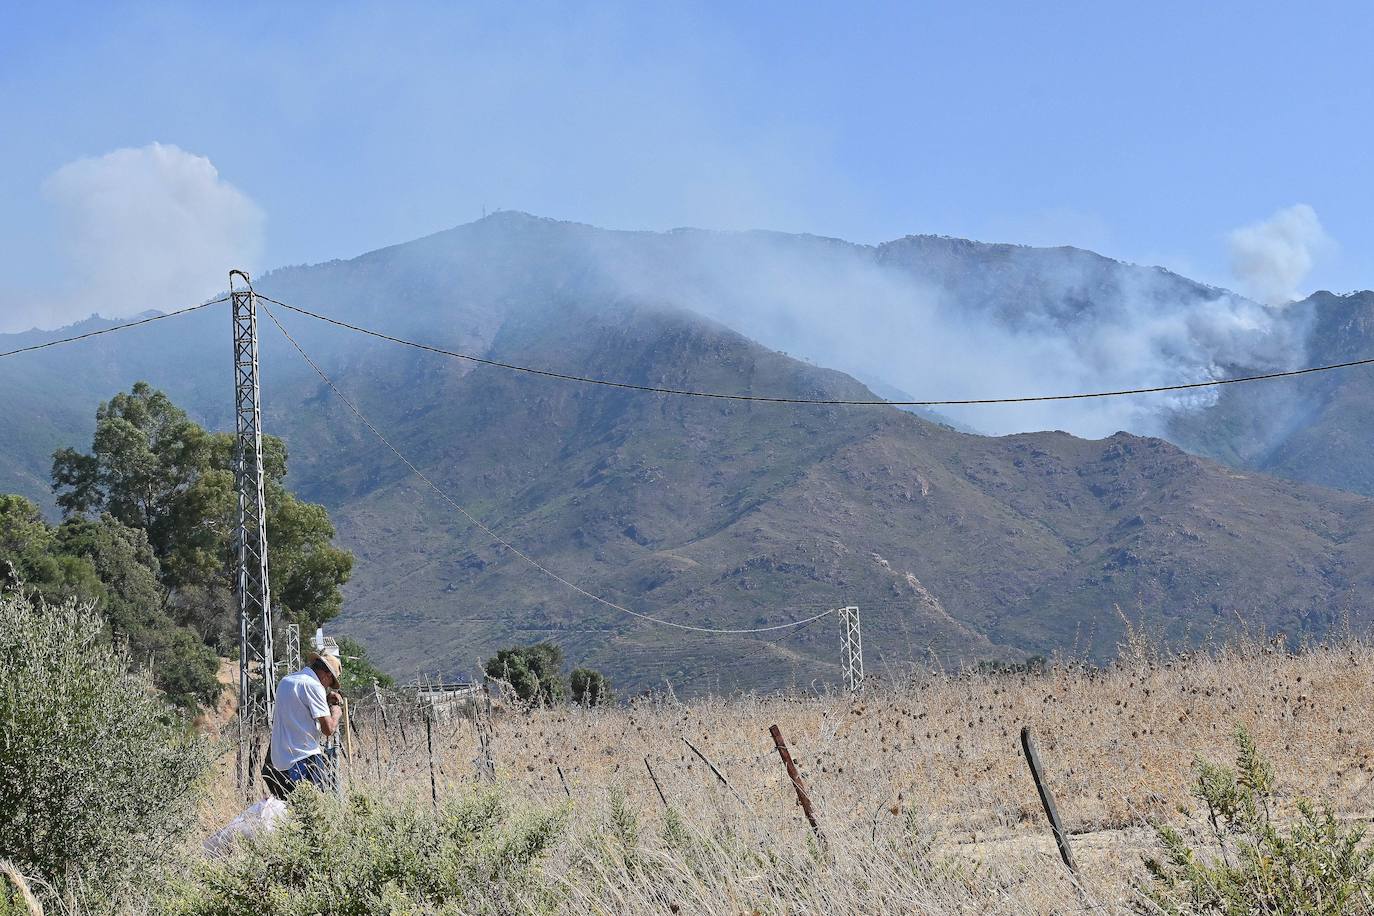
259, 817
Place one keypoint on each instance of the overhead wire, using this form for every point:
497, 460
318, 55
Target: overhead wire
762, 650
833, 402
507, 544
111, 330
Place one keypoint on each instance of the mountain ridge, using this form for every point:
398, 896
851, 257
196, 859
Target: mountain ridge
725, 514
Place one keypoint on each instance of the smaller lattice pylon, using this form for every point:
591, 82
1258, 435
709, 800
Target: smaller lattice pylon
293, 648
851, 649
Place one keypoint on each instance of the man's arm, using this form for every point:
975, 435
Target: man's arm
329, 724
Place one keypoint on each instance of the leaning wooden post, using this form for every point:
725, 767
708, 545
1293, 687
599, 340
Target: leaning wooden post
348, 737
1061, 837
661, 797
802, 798
486, 768
719, 775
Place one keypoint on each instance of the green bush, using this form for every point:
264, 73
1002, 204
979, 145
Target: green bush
359, 671
589, 687
534, 672
1314, 866
98, 774
366, 857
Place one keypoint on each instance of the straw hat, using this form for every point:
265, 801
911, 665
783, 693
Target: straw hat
331, 662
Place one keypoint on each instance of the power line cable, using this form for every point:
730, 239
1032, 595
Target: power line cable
502, 541
118, 327
762, 650
833, 402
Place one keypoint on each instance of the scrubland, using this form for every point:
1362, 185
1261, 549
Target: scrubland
922, 798
924, 801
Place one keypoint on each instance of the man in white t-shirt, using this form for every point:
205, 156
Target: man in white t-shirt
308, 706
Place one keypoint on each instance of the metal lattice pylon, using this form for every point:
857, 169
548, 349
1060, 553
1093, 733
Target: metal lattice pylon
293, 647
851, 649
257, 680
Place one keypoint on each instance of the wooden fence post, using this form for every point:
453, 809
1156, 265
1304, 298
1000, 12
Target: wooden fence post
377, 745
348, 736
802, 798
429, 742
1061, 837
486, 767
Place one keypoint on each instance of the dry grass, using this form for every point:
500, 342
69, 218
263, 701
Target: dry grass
920, 787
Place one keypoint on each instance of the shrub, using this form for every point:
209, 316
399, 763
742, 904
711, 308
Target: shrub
98, 774
112, 567
589, 687
1315, 865
364, 856
534, 672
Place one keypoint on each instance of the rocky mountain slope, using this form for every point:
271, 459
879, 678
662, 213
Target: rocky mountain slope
957, 547
1319, 428
732, 515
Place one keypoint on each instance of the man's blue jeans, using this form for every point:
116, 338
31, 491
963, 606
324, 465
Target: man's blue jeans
312, 769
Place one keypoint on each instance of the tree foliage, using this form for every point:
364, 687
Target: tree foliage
110, 567
359, 671
98, 775
589, 687
153, 468
535, 672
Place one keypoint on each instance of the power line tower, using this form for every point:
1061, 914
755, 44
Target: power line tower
257, 680
293, 647
851, 649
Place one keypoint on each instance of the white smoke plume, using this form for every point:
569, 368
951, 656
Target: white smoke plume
1271, 257
152, 227
1076, 324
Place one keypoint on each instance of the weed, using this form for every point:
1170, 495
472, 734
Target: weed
1314, 866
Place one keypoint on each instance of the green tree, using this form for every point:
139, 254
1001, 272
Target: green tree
534, 672
359, 671
151, 467
135, 609
111, 568
99, 777
589, 687
28, 556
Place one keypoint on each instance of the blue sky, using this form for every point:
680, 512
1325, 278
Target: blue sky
1148, 132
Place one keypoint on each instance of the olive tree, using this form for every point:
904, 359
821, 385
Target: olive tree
99, 775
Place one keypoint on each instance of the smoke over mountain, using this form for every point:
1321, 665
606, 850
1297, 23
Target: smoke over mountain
938, 318
1271, 257
156, 220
